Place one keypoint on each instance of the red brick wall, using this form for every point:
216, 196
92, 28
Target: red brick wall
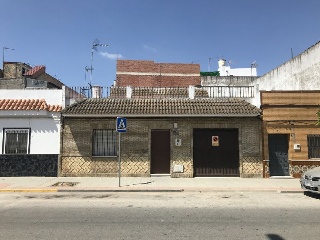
157, 76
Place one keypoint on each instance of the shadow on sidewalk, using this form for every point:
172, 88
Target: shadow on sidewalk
137, 184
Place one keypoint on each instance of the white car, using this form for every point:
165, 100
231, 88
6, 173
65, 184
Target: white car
310, 180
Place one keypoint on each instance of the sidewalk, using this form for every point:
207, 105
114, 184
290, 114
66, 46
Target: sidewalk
151, 184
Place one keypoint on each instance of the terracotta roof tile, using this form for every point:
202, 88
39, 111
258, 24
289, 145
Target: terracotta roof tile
174, 107
28, 104
35, 71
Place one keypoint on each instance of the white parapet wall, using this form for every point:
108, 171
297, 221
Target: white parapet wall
300, 73
52, 96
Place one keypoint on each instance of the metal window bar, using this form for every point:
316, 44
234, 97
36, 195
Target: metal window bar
313, 146
104, 142
16, 141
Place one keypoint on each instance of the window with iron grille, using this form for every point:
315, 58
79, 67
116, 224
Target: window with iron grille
16, 141
104, 142
313, 146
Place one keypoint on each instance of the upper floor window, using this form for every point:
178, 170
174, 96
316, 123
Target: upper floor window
313, 146
104, 142
16, 140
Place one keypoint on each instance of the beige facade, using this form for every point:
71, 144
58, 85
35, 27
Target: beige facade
77, 160
294, 114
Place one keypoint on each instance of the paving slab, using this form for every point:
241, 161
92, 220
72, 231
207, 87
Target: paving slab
137, 184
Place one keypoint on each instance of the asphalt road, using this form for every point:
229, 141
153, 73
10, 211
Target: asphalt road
231, 215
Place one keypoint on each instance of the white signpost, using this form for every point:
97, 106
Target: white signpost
121, 126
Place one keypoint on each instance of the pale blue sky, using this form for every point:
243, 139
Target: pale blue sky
60, 33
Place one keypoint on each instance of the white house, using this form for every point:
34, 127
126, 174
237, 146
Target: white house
30, 131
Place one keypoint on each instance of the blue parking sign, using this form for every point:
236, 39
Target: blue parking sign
121, 124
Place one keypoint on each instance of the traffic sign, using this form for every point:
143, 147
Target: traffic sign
121, 124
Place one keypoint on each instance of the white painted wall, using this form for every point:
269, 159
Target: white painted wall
45, 132
240, 72
52, 96
226, 70
300, 73
45, 126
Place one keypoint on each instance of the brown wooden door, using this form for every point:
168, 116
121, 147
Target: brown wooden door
160, 151
222, 159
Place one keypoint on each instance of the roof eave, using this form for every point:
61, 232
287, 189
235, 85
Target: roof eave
156, 115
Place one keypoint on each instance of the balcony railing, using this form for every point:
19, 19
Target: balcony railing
161, 92
230, 91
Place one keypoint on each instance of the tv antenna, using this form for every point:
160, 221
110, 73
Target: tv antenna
209, 61
96, 43
254, 64
3, 51
230, 62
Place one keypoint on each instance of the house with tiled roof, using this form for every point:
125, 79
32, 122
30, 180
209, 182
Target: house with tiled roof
31, 101
281, 94
30, 131
18, 75
174, 136
174, 126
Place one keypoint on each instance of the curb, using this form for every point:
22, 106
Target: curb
120, 190
28, 190
246, 190
55, 190
290, 191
